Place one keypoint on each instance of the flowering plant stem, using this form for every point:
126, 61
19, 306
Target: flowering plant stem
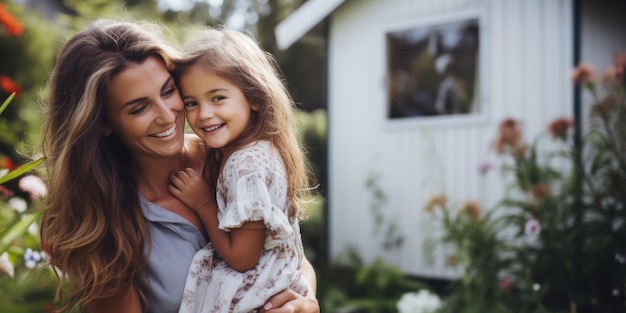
22, 221
17, 229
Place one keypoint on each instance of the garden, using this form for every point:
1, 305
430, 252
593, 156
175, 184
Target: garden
555, 243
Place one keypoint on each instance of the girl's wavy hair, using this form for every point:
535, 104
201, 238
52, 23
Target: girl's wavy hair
238, 58
94, 230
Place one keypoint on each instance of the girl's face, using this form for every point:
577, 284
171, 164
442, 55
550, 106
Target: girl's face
217, 110
145, 110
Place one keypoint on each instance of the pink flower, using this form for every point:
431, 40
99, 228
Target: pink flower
5, 265
484, 167
6, 192
583, 74
506, 283
532, 227
34, 186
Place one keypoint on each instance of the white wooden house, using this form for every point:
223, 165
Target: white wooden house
526, 51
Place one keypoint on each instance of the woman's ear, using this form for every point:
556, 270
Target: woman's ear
254, 107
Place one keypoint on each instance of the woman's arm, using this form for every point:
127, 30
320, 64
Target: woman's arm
240, 248
289, 301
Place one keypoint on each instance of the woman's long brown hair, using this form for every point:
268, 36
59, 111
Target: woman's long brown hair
94, 230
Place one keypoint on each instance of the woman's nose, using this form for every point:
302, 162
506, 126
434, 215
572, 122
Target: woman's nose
167, 112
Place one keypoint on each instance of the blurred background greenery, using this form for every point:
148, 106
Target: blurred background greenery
498, 272
32, 32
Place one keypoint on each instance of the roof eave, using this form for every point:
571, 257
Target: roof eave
303, 19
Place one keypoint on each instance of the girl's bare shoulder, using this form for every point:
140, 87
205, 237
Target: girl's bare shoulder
196, 149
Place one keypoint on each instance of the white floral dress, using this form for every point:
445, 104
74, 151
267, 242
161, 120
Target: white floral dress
251, 187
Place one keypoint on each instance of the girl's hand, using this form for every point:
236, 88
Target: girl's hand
191, 189
288, 301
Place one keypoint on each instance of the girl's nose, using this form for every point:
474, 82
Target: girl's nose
205, 111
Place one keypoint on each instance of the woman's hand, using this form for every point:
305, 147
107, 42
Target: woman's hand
288, 301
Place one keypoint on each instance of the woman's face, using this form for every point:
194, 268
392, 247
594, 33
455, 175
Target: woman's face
145, 110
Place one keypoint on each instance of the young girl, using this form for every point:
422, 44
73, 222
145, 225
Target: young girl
236, 101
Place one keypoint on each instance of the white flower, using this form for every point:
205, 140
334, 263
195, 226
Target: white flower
536, 287
418, 302
34, 186
18, 204
31, 258
532, 227
5, 265
620, 258
33, 229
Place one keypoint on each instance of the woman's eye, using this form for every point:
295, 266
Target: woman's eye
191, 104
218, 98
138, 110
170, 91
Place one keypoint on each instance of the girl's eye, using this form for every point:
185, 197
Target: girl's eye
190, 104
218, 98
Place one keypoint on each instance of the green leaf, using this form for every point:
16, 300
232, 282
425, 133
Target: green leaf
14, 231
6, 102
21, 170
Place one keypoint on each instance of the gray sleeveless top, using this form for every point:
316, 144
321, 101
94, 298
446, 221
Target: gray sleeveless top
175, 241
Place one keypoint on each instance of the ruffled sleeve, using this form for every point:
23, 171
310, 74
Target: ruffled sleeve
254, 188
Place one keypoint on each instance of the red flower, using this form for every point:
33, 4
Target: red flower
6, 162
559, 127
9, 86
11, 24
541, 191
472, 209
436, 201
510, 138
510, 131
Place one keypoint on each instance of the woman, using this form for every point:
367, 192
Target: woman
113, 136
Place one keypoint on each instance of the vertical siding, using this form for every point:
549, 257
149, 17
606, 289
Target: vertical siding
528, 43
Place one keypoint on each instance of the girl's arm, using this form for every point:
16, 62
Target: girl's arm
241, 248
191, 189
